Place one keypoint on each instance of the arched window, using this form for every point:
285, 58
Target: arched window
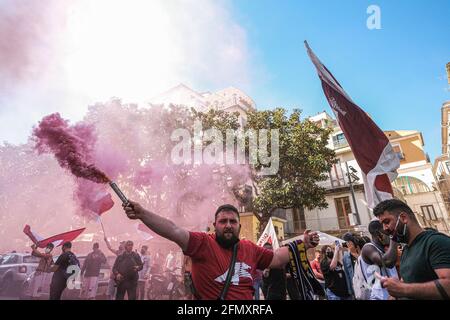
410, 185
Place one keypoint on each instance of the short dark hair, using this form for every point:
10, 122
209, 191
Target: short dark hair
356, 239
50, 245
349, 237
226, 207
96, 245
393, 206
67, 245
375, 227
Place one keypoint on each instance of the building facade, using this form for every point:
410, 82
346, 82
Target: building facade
347, 207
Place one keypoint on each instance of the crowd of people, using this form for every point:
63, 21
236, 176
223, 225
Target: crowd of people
401, 260
129, 274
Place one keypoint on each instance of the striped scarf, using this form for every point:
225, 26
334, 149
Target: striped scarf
301, 272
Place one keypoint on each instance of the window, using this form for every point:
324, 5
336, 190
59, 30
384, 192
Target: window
428, 212
298, 216
411, 185
339, 141
10, 259
447, 164
337, 175
398, 151
30, 259
343, 209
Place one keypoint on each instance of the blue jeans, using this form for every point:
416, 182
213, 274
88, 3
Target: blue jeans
332, 296
257, 286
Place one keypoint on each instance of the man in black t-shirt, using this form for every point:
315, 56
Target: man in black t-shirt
425, 260
125, 270
60, 276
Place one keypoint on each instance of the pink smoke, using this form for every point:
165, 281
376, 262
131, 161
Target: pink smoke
133, 147
71, 145
28, 38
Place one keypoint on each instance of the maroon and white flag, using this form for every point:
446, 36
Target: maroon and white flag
57, 240
269, 236
369, 144
101, 203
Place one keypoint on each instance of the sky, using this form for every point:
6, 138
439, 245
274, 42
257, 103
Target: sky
396, 74
62, 56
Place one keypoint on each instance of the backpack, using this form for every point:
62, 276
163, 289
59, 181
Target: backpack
361, 287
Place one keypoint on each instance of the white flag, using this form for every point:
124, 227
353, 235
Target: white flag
269, 236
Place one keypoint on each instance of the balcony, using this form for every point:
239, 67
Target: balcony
340, 144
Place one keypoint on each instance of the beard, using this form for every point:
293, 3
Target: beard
226, 243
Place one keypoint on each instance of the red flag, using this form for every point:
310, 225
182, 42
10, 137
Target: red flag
369, 144
32, 235
57, 240
102, 203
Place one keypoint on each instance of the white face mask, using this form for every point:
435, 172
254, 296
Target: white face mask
48, 250
402, 238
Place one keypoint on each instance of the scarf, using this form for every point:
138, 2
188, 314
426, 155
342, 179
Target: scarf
301, 272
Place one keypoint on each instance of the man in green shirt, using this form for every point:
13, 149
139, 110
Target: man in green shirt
425, 261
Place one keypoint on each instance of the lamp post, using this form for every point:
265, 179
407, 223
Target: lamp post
350, 182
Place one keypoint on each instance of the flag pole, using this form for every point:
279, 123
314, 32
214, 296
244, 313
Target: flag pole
103, 228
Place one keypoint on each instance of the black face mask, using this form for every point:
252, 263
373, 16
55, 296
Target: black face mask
226, 243
330, 255
401, 231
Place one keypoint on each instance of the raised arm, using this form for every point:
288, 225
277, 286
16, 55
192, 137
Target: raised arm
371, 255
162, 226
35, 252
108, 245
335, 260
281, 256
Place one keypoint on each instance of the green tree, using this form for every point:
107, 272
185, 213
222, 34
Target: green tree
304, 160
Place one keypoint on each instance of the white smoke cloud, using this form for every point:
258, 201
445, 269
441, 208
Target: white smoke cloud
58, 56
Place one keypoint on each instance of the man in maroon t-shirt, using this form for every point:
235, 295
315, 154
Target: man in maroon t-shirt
211, 253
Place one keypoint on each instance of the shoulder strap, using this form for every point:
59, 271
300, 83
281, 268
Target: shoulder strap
230, 273
383, 265
360, 265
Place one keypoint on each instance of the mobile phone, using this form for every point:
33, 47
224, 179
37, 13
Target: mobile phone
337, 243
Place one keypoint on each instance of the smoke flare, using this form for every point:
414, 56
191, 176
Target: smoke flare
71, 146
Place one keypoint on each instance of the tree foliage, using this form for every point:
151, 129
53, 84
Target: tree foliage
304, 161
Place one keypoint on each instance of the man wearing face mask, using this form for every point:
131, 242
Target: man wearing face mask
44, 266
211, 254
425, 261
378, 257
